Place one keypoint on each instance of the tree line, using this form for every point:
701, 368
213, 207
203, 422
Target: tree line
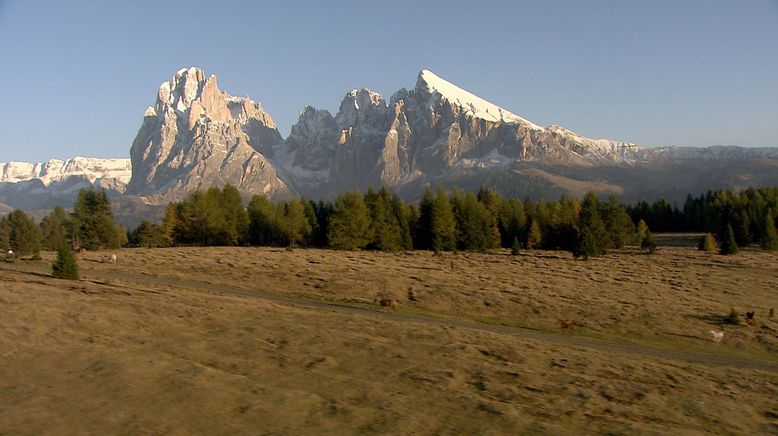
747, 216
381, 220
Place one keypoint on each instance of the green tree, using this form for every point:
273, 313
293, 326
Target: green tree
55, 229
64, 266
707, 243
770, 238
648, 243
384, 222
513, 221
617, 223
263, 228
148, 235
93, 225
728, 243
515, 246
24, 237
292, 222
349, 227
444, 230
423, 236
534, 235
474, 223
593, 238
641, 231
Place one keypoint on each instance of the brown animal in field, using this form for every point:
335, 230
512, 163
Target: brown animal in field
386, 303
567, 325
79, 249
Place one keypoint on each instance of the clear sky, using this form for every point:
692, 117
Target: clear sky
76, 76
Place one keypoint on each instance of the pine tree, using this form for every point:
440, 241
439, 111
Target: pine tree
293, 223
474, 222
349, 226
707, 243
263, 228
642, 229
444, 236
55, 229
24, 236
728, 243
513, 221
770, 238
515, 247
64, 266
93, 222
534, 236
422, 240
593, 238
648, 243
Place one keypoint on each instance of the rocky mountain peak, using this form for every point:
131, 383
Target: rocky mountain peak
197, 136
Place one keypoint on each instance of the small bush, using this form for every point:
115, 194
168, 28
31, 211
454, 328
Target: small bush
707, 244
515, 248
648, 243
64, 266
733, 317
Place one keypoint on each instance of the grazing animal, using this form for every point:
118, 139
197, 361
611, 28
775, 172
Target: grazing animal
717, 336
567, 325
79, 249
750, 315
109, 258
386, 303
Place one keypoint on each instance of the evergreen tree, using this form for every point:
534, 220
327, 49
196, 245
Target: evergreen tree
148, 235
384, 222
292, 223
64, 266
707, 243
728, 243
263, 228
515, 246
617, 223
349, 226
534, 236
770, 238
235, 218
444, 231
648, 243
423, 237
641, 232
93, 225
513, 222
5, 241
23, 235
321, 231
55, 229
593, 238
474, 222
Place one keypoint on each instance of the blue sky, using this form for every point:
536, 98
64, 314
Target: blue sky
78, 75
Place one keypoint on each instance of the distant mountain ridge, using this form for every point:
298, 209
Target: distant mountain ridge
437, 134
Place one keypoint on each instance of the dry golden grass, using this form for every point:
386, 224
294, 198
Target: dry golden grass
150, 345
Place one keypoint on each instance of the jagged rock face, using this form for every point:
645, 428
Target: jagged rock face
427, 133
197, 136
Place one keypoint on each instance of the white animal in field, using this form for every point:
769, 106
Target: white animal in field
109, 258
10, 255
716, 336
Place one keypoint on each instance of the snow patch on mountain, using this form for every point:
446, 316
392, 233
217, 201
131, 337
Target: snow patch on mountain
56, 170
479, 107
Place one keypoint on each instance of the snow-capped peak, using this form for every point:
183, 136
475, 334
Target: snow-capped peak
56, 170
480, 108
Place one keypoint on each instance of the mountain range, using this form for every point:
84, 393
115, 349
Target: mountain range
437, 134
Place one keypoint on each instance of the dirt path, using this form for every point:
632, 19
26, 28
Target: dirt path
570, 340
